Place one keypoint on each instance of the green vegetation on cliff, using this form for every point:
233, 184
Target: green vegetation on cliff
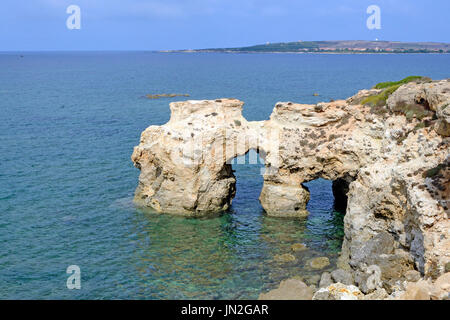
377, 102
387, 84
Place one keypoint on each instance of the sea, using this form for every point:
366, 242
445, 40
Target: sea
68, 125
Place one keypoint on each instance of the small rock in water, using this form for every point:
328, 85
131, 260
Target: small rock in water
285, 257
319, 263
166, 95
298, 247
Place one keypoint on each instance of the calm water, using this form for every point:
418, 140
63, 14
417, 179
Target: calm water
68, 124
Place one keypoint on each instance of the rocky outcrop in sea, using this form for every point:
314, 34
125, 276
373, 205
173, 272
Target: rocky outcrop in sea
385, 149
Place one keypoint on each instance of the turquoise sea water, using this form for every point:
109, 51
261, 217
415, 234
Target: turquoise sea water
69, 122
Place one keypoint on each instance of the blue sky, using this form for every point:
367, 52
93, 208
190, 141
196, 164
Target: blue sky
180, 24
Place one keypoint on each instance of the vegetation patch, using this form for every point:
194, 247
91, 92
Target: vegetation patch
377, 102
387, 84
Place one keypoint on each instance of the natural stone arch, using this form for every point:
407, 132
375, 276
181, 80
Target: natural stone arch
396, 215
185, 163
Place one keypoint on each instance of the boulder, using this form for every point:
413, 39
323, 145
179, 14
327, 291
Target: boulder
342, 276
369, 279
325, 280
312, 280
441, 288
291, 289
417, 291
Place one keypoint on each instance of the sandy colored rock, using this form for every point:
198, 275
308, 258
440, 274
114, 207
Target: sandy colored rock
298, 247
441, 288
417, 291
285, 257
318, 263
291, 289
412, 275
379, 294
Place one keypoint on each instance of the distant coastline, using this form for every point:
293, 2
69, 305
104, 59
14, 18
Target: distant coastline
333, 47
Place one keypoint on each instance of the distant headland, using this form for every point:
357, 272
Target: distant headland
344, 46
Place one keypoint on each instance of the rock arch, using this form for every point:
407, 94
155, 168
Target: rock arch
185, 163
395, 169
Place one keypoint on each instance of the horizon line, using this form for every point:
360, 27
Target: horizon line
204, 48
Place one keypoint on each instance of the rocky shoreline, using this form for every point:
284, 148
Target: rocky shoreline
385, 149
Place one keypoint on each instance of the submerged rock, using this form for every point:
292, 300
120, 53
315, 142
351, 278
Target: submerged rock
318, 263
285, 257
298, 247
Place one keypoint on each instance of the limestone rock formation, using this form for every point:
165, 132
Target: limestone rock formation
390, 162
338, 291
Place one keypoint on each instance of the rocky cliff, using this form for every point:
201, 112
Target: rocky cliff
386, 151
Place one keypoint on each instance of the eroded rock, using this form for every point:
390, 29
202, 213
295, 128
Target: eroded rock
397, 214
338, 291
342, 276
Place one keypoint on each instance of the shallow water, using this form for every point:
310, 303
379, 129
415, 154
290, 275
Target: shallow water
69, 123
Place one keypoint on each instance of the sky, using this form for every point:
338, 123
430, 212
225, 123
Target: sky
35, 25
